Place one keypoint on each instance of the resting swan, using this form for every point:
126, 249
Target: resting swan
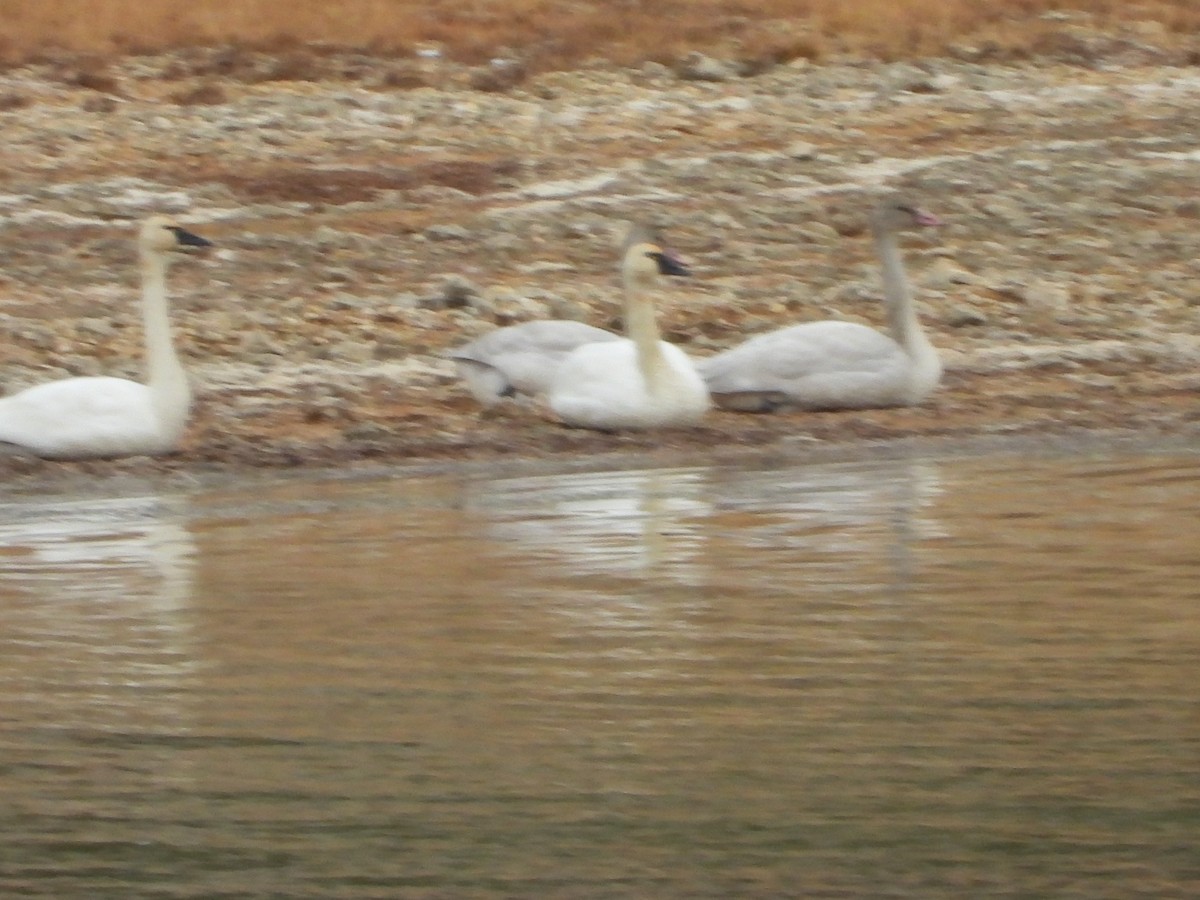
521, 359
77, 418
636, 382
838, 365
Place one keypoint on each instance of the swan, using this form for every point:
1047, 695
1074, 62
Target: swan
521, 359
639, 381
78, 418
838, 365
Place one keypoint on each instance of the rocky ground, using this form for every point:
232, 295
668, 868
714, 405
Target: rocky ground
371, 214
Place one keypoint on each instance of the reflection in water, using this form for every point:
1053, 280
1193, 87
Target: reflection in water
613, 523
94, 598
659, 522
911, 679
95, 667
99, 549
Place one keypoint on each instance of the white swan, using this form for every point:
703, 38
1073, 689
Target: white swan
838, 365
78, 418
640, 381
521, 359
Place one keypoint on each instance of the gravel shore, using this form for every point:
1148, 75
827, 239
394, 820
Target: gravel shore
373, 214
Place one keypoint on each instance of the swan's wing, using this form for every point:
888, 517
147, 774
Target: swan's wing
546, 336
817, 365
773, 359
79, 417
521, 358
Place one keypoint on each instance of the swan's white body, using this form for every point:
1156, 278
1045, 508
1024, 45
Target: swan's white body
521, 359
78, 418
606, 386
639, 381
837, 365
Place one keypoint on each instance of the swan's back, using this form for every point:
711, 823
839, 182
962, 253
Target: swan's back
601, 386
815, 365
521, 359
77, 418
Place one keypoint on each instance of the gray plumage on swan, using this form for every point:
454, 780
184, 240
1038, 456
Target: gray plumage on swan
838, 365
521, 359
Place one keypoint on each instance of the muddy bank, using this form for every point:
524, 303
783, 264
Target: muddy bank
365, 229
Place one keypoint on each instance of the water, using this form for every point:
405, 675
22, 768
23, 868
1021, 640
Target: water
935, 678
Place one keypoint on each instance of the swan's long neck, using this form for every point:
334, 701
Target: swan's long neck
925, 365
165, 376
902, 312
642, 327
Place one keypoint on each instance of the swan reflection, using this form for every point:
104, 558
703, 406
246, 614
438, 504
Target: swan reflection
707, 525
646, 522
850, 527
93, 596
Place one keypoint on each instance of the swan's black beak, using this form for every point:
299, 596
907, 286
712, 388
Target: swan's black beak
186, 239
669, 263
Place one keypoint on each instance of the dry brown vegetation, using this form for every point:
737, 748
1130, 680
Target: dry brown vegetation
560, 33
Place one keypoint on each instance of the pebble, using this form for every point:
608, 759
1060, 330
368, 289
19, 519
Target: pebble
698, 66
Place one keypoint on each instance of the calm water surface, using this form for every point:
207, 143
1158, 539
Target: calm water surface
940, 678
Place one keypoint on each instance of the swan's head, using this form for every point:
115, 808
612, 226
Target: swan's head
647, 257
898, 213
161, 234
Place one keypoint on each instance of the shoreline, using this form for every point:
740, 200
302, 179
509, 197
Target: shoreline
32, 479
362, 233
